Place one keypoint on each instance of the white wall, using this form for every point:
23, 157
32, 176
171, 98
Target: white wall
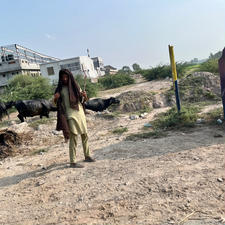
83, 61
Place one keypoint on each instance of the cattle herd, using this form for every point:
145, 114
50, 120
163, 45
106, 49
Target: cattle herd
42, 107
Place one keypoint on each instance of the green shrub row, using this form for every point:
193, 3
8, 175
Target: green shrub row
163, 71
27, 87
210, 65
114, 81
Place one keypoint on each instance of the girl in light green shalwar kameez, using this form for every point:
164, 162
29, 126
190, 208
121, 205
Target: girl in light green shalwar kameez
68, 96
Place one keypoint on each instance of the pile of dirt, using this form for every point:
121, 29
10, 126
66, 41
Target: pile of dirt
198, 87
133, 101
9, 141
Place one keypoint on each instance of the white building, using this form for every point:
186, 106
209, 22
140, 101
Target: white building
16, 59
99, 66
82, 65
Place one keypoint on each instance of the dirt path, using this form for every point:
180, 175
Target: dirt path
154, 86
178, 179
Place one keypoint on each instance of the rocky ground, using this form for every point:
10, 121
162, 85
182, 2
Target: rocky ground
177, 179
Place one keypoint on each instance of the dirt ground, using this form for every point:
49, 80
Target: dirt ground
177, 179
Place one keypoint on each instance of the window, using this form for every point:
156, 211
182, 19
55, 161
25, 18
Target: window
50, 71
71, 66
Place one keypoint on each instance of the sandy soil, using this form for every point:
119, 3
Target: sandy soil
177, 179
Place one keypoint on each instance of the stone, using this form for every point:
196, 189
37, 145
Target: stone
220, 179
133, 117
219, 121
199, 121
21, 128
55, 132
147, 125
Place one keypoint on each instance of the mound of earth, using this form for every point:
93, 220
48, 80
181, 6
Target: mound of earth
132, 101
198, 87
9, 140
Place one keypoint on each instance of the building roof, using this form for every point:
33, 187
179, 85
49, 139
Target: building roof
20, 52
110, 67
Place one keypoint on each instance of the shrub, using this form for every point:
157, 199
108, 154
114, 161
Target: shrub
210, 65
23, 87
163, 71
114, 81
120, 130
91, 88
213, 115
172, 119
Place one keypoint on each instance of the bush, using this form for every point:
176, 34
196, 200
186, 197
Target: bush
172, 119
23, 87
114, 81
163, 71
91, 88
210, 65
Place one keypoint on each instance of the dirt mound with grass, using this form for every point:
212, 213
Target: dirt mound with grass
9, 141
133, 101
198, 87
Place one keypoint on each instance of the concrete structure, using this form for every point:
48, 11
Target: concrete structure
109, 70
15, 59
99, 65
82, 65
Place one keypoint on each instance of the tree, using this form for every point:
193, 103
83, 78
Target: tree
136, 67
125, 69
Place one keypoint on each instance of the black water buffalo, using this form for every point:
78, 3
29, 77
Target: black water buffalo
3, 109
30, 108
99, 104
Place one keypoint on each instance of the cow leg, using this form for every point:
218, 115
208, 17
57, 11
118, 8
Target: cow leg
21, 118
7, 114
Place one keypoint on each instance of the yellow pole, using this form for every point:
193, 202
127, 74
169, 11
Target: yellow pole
174, 73
172, 63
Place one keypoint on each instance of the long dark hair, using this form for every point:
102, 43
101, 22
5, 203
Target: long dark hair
73, 87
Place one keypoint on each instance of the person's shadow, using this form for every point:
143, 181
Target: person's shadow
7, 181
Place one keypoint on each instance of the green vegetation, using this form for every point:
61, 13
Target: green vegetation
163, 71
210, 65
191, 69
145, 135
39, 151
212, 116
120, 130
114, 81
27, 87
172, 119
4, 123
194, 89
91, 88
168, 121
136, 67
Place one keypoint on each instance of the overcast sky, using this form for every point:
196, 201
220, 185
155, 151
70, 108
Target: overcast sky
122, 32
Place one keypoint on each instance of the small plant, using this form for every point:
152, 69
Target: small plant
172, 119
40, 151
212, 116
120, 130
145, 135
4, 123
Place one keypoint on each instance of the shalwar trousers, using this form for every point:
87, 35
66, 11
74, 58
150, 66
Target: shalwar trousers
73, 146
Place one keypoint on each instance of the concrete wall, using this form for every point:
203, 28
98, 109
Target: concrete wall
75, 65
9, 69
